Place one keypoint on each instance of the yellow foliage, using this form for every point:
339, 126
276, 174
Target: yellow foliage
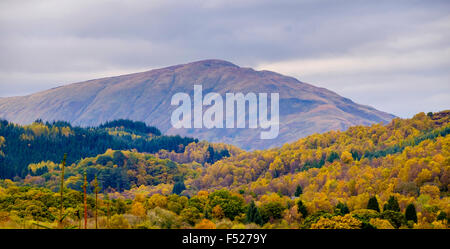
380, 223
138, 209
217, 212
205, 224
337, 222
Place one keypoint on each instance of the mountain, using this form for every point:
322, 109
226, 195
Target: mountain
146, 96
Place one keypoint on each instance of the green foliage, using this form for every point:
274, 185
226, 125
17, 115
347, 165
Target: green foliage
271, 211
214, 156
314, 218
442, 216
42, 142
302, 209
132, 126
410, 213
392, 205
373, 204
298, 191
365, 215
333, 156
190, 215
231, 204
395, 218
256, 187
253, 214
341, 209
178, 187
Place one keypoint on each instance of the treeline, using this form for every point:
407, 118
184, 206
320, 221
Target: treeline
115, 171
49, 141
29, 207
132, 126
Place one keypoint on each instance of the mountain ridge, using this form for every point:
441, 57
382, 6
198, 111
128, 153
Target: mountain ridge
145, 96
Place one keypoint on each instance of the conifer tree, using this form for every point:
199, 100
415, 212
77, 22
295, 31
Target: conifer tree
253, 215
298, 191
302, 208
373, 204
410, 213
342, 208
178, 187
392, 204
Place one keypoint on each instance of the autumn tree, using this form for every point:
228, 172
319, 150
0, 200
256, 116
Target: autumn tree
190, 215
231, 204
138, 209
217, 212
205, 224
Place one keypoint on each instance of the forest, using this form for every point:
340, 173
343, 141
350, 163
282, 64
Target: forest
124, 174
48, 141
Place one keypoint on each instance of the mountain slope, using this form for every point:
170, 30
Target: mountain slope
146, 96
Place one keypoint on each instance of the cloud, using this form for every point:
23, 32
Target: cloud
346, 46
405, 74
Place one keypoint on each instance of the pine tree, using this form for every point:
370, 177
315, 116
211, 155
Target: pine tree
392, 204
178, 187
253, 215
302, 208
410, 213
342, 209
298, 191
373, 204
210, 154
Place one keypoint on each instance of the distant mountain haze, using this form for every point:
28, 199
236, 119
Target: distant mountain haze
146, 96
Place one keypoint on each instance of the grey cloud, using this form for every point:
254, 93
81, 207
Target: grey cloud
49, 43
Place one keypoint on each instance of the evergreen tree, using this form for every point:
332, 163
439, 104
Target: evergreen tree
298, 191
342, 209
178, 187
253, 215
373, 204
442, 216
302, 208
410, 213
392, 204
210, 154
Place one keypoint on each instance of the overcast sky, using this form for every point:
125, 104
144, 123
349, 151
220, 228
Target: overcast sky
392, 55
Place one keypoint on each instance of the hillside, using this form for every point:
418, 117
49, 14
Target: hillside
304, 108
40, 141
392, 176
